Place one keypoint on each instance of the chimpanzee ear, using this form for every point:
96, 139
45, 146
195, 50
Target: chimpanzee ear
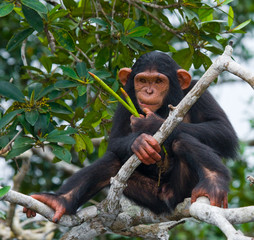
184, 78
123, 75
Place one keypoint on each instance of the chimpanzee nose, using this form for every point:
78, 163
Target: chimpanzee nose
149, 90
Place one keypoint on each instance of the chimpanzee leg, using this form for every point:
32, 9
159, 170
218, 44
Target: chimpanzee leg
84, 184
145, 191
80, 187
213, 176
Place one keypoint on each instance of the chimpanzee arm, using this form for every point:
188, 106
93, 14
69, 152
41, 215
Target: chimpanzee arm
121, 136
210, 125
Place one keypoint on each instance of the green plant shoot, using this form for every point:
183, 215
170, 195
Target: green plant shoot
128, 99
110, 91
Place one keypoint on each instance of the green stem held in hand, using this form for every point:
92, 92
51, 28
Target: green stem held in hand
110, 91
128, 99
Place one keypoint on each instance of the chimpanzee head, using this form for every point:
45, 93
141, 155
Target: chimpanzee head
156, 81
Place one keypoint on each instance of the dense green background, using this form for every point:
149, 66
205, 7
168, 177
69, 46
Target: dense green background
51, 90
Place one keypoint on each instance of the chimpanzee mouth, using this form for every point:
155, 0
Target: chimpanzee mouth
146, 103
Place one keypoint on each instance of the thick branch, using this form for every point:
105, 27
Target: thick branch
223, 218
47, 212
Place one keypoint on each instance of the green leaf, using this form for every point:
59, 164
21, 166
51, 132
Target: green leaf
211, 27
17, 151
90, 118
143, 41
64, 39
32, 117
135, 46
204, 12
4, 190
183, 58
81, 69
81, 90
61, 153
42, 124
32, 69
128, 24
63, 139
58, 108
215, 43
65, 84
54, 10
18, 38
59, 14
9, 90
99, 21
8, 117
242, 25
46, 62
58, 133
35, 5
70, 73
69, 4
6, 8
190, 14
197, 59
227, 2
89, 144
207, 62
230, 16
33, 18
25, 124
80, 143
44, 91
102, 148
102, 57
22, 141
125, 39
139, 31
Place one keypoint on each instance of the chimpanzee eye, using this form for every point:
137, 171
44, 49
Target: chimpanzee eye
142, 80
158, 80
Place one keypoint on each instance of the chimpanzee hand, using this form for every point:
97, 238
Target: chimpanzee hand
147, 149
149, 124
57, 203
216, 192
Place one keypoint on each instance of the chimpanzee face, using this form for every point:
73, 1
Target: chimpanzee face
151, 87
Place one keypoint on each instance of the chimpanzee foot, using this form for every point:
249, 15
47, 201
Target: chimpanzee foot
57, 203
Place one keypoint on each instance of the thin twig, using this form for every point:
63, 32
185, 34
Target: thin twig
8, 146
87, 58
75, 58
176, 33
153, 5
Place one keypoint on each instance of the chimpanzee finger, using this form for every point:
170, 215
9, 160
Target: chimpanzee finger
138, 153
147, 111
58, 214
155, 145
193, 198
215, 201
225, 201
151, 146
29, 212
144, 157
152, 153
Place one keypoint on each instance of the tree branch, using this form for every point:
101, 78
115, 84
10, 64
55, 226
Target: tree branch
223, 218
